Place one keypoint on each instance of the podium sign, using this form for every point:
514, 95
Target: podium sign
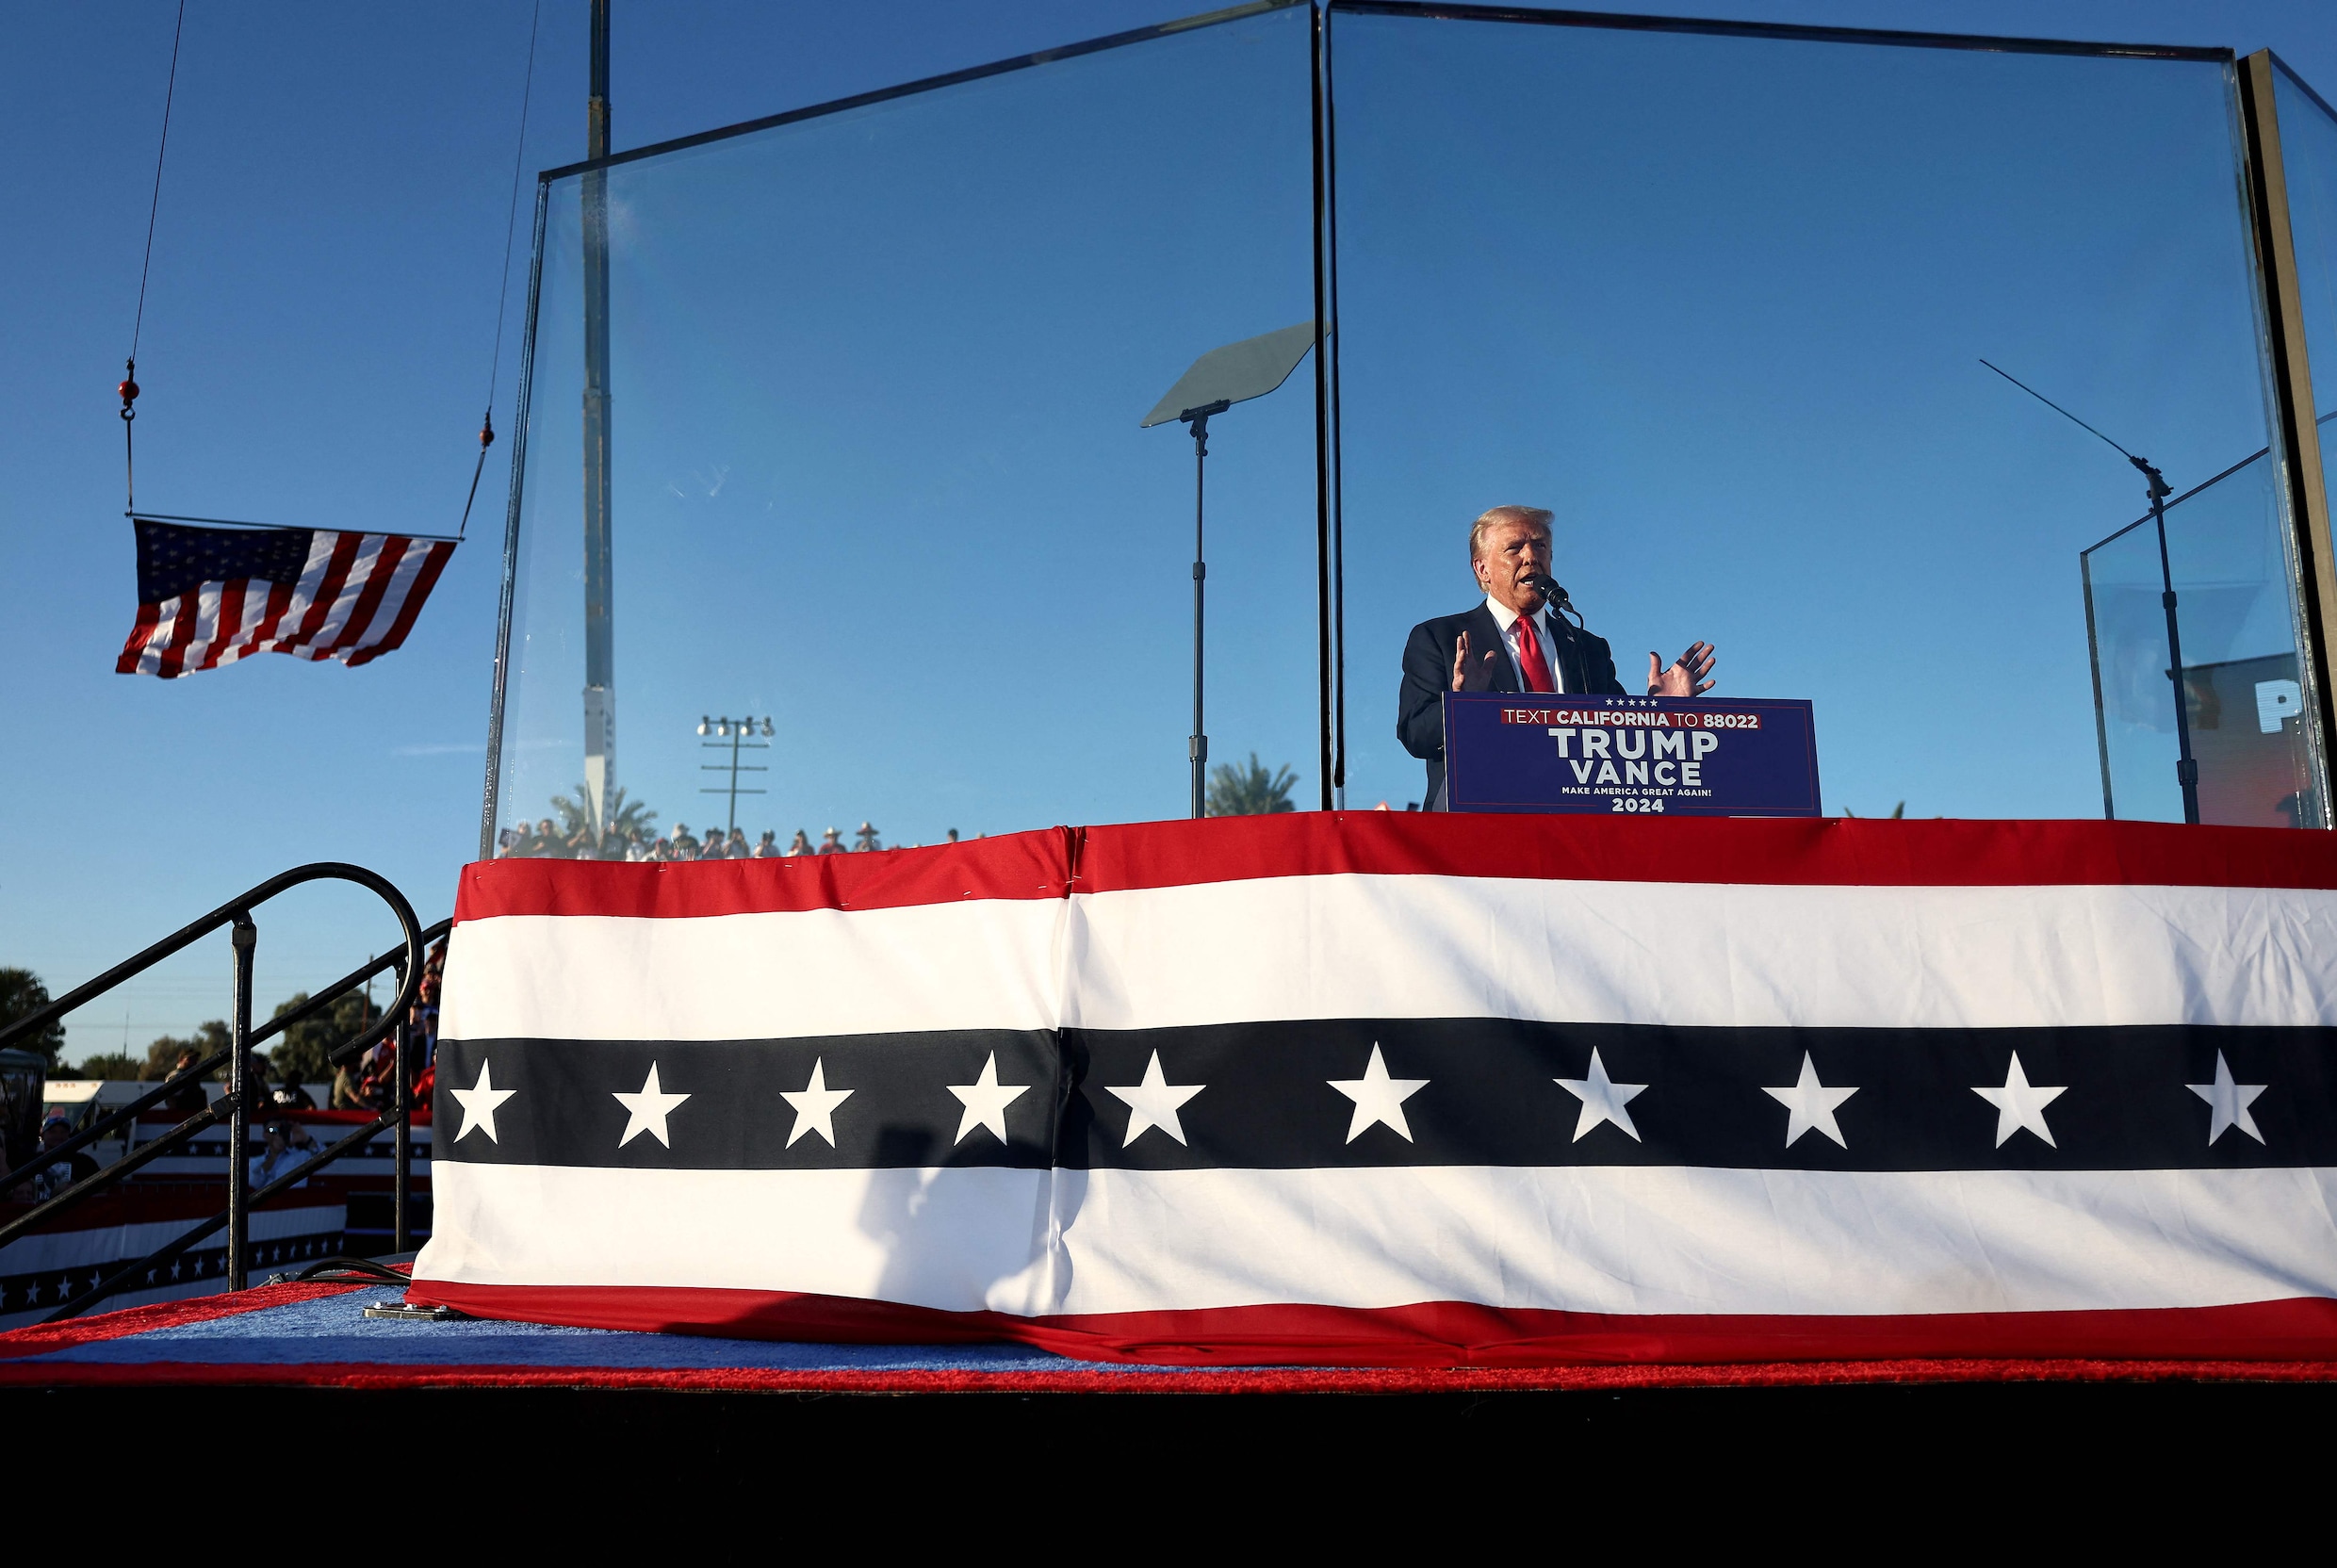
1696, 756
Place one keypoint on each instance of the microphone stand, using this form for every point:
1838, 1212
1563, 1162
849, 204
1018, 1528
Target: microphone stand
2186, 765
1197, 744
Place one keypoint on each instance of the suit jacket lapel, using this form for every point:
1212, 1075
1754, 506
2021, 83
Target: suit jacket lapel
1570, 673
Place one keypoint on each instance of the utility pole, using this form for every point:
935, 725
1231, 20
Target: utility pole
599, 647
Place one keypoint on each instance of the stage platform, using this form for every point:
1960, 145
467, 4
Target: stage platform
318, 1335
535, 1406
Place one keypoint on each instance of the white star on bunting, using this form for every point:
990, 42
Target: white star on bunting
2228, 1101
1153, 1102
1602, 1098
986, 1101
1378, 1097
2021, 1104
479, 1102
648, 1110
815, 1106
1812, 1105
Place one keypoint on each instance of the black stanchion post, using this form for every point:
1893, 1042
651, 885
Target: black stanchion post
2186, 765
401, 1239
1197, 746
1216, 382
244, 936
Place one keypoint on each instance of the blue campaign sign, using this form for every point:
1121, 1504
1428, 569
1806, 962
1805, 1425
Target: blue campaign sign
1697, 757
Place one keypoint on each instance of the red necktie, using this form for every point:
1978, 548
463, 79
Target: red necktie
1530, 663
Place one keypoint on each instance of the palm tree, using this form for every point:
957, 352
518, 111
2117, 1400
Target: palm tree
1249, 791
629, 819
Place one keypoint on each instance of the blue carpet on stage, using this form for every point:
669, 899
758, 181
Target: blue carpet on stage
316, 1334
333, 1331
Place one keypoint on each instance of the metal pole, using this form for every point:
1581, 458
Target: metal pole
402, 1180
734, 781
599, 647
2186, 766
244, 936
1198, 747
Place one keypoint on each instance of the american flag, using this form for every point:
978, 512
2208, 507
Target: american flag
209, 595
1402, 1089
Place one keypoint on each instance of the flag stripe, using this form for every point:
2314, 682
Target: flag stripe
227, 623
383, 558
315, 621
134, 651
182, 632
413, 556
324, 551
331, 616
435, 558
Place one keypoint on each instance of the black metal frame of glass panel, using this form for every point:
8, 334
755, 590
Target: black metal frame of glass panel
2257, 146
2313, 554
2272, 274
2085, 568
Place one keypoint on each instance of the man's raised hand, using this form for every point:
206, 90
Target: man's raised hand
1461, 661
1681, 679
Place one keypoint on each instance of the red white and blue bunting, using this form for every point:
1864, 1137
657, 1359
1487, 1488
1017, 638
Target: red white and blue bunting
1385, 1089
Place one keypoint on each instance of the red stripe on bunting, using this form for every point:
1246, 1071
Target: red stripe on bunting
1810, 852
1015, 865
1854, 852
1432, 1333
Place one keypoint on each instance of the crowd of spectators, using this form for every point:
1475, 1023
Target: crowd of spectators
369, 1081
546, 841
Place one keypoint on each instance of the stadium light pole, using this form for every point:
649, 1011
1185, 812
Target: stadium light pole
733, 734
600, 640
1213, 383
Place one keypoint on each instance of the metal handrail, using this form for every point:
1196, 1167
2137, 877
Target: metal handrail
170, 1249
244, 934
197, 1073
91, 1185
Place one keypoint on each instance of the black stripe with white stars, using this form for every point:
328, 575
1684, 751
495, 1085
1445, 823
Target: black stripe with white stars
54, 1287
1336, 1093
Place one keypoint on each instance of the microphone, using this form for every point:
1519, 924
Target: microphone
1555, 592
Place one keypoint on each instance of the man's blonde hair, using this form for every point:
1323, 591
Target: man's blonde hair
1539, 517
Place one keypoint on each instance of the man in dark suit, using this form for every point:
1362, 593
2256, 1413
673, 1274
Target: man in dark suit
1513, 641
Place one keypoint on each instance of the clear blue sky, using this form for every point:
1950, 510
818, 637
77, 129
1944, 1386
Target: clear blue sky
316, 350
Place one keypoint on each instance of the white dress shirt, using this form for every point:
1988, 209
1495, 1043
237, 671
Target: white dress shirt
1512, 623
